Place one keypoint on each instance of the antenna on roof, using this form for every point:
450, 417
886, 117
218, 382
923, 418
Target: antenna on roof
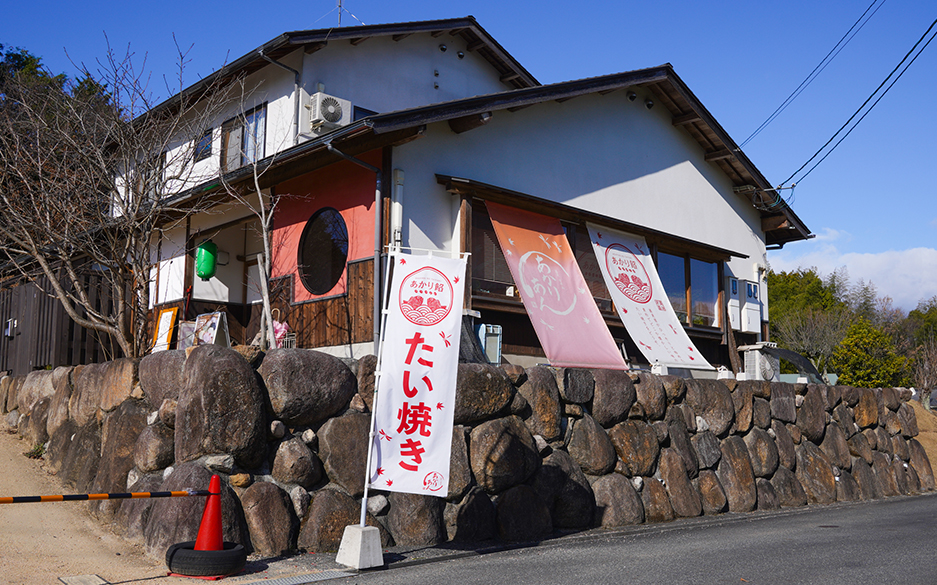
339, 6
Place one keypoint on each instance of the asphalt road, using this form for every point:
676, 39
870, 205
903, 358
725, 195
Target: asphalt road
887, 541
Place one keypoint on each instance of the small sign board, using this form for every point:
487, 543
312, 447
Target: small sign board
212, 328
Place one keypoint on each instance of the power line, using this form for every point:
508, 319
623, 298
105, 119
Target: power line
851, 118
839, 46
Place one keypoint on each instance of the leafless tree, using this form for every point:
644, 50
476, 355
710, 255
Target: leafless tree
90, 173
813, 333
924, 369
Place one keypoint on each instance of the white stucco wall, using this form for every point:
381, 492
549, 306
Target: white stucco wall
603, 154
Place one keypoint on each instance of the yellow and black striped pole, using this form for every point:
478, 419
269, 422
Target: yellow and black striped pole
86, 497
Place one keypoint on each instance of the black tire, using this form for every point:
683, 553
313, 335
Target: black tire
183, 559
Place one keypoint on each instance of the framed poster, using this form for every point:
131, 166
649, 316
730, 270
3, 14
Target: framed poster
185, 336
165, 323
212, 328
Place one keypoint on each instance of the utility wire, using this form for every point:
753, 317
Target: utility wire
839, 46
851, 118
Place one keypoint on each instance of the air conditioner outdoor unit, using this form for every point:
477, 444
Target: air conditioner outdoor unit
326, 112
760, 365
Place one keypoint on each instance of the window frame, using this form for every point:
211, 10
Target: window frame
300, 264
203, 146
688, 259
236, 128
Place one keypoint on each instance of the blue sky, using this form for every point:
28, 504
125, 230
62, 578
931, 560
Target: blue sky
870, 203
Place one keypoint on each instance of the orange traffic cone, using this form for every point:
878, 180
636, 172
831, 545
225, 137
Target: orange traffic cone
209, 531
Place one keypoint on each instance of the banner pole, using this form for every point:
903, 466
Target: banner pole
377, 379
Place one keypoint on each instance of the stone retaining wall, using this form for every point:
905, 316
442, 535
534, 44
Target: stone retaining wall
535, 450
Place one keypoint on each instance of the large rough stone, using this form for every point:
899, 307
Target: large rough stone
542, 395
161, 376
565, 491
657, 506
366, 367
712, 401
736, 475
834, 395
416, 520
872, 437
59, 444
712, 496
613, 396
460, 468
343, 448
153, 449
133, 514
80, 463
330, 511
591, 447
788, 489
674, 387
908, 420
890, 421
768, 498
868, 484
5, 382
865, 411
684, 499
270, 519
921, 464
295, 463
173, 520
835, 447
118, 437
761, 413
708, 449
842, 414
811, 416
901, 476
12, 390
899, 447
847, 488
636, 443
305, 386
783, 405
785, 444
651, 395
890, 399
859, 447
84, 401
58, 409
759, 388
503, 454
216, 379
887, 482
681, 442
815, 474
883, 441
850, 395
576, 385
472, 519
522, 515
742, 400
763, 452
35, 432
617, 504
37, 385
481, 392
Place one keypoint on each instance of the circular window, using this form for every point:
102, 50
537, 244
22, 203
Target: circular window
323, 251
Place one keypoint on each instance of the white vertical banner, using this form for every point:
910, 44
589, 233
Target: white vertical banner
418, 367
640, 299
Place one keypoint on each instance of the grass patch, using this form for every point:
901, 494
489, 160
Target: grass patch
36, 452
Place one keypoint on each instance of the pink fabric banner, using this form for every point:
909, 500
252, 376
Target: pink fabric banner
555, 294
418, 367
641, 301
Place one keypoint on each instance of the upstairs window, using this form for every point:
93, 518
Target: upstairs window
242, 139
692, 286
203, 146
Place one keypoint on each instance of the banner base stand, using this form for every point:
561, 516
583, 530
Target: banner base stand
360, 548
